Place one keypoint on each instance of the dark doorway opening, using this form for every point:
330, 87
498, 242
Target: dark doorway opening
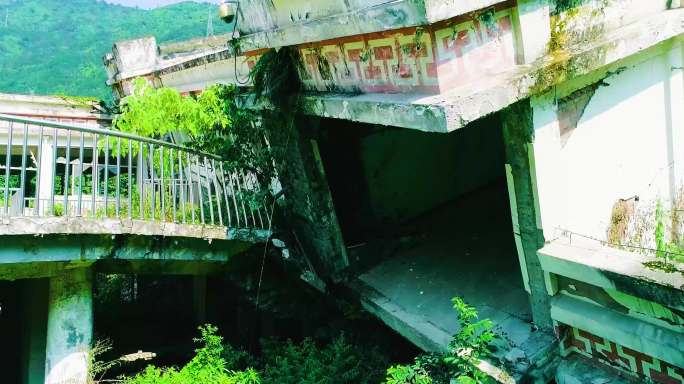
427, 217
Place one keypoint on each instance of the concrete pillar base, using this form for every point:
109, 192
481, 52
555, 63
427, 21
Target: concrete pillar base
70, 328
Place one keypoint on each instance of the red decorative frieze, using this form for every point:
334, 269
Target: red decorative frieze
432, 59
635, 363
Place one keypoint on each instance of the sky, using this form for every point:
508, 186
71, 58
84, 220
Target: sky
148, 4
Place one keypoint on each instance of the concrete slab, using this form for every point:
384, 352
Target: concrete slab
640, 275
113, 226
578, 370
24, 257
466, 249
454, 109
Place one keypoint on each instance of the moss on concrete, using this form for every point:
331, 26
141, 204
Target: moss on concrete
573, 25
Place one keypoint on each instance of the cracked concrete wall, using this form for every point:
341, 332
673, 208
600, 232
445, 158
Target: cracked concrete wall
616, 139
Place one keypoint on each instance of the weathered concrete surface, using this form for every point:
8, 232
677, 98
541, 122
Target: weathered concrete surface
474, 259
365, 18
578, 370
43, 256
455, 109
72, 110
606, 267
70, 327
277, 23
110, 226
518, 131
532, 23
591, 137
309, 210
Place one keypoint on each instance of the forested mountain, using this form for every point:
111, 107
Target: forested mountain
56, 46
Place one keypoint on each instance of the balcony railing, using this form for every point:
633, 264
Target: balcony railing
51, 169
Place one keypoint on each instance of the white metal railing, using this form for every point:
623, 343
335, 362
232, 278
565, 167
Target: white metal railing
52, 169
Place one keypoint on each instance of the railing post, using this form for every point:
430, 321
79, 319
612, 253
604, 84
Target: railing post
80, 176
199, 188
39, 164
218, 191
67, 169
153, 193
173, 183
209, 196
8, 167
106, 177
162, 192
141, 185
52, 181
24, 158
95, 178
182, 188
118, 176
130, 180
225, 193
188, 175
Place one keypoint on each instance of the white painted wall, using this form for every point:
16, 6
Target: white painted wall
629, 141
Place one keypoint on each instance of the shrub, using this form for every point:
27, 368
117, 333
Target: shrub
207, 367
472, 343
339, 362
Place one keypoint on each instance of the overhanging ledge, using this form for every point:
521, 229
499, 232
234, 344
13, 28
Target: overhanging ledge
454, 109
605, 267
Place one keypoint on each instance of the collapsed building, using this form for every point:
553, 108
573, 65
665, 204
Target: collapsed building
521, 154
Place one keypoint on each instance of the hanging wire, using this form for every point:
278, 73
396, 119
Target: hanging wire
235, 47
270, 224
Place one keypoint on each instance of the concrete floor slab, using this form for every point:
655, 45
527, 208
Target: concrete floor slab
465, 249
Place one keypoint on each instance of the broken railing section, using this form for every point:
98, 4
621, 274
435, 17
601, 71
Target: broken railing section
51, 169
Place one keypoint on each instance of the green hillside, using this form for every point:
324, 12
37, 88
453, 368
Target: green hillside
56, 46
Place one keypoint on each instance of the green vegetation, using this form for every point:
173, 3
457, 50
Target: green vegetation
208, 366
337, 362
151, 112
213, 122
56, 47
471, 344
284, 363
672, 249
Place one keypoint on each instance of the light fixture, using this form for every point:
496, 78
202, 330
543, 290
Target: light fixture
226, 11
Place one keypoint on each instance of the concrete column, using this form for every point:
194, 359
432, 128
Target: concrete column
199, 288
309, 206
70, 327
532, 25
518, 132
45, 178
